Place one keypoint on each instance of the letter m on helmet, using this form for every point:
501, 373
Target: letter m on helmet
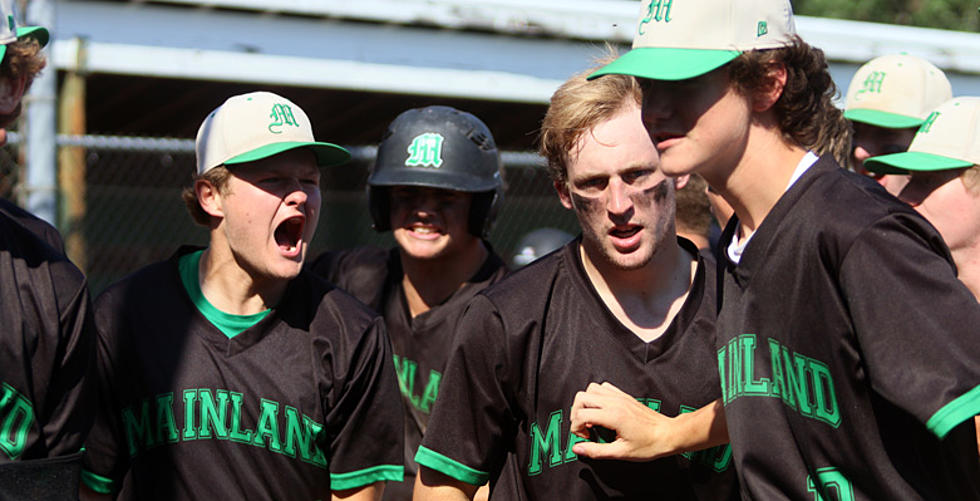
425, 151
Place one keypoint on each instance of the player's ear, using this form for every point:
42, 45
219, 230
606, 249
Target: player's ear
772, 89
11, 90
563, 195
209, 196
681, 181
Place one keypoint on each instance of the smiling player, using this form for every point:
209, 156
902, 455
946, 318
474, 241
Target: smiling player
229, 372
435, 184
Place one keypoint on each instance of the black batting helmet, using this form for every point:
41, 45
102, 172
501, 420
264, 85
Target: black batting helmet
438, 147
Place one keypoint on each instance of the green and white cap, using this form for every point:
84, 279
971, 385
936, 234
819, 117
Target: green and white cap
253, 126
948, 139
682, 39
896, 91
10, 32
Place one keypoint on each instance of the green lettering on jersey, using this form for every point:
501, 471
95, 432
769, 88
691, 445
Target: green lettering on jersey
236, 433
653, 403
268, 426
830, 480
546, 444
136, 423
166, 424
430, 393
214, 415
190, 432
751, 386
407, 370
303, 433
825, 406
16, 419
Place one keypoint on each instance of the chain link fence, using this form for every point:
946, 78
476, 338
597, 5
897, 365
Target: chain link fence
133, 215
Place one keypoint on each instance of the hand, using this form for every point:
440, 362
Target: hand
642, 434
639, 430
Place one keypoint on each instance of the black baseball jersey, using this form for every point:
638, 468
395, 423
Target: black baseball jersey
848, 350
421, 344
36, 225
525, 347
302, 403
47, 341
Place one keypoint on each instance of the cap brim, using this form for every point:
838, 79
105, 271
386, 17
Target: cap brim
882, 118
660, 63
327, 154
39, 33
902, 163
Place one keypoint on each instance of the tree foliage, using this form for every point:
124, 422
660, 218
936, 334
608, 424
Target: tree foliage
958, 15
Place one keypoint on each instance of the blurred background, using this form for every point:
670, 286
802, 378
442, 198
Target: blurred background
105, 142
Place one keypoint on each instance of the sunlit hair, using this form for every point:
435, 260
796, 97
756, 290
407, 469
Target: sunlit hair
805, 110
577, 107
23, 58
218, 177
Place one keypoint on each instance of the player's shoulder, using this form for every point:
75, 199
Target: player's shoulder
533, 282
33, 224
150, 283
325, 300
849, 199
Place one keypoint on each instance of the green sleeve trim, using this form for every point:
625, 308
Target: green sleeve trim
446, 466
952, 414
98, 483
367, 476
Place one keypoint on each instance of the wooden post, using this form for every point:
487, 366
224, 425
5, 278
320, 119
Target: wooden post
71, 167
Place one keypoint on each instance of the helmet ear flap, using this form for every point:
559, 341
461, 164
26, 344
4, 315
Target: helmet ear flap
483, 212
380, 205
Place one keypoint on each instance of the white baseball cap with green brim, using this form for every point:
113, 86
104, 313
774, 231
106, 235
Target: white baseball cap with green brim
253, 126
896, 91
682, 39
10, 32
948, 139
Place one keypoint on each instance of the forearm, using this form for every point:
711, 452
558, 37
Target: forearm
431, 485
700, 429
371, 492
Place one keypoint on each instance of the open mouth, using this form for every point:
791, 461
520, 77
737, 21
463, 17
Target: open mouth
624, 232
424, 230
289, 233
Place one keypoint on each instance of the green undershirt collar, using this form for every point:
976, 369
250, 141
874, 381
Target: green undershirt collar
230, 325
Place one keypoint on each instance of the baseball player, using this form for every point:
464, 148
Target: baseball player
435, 185
887, 100
944, 186
229, 372
826, 393
46, 332
623, 302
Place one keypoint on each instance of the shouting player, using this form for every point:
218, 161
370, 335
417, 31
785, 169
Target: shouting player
230, 372
435, 184
944, 185
887, 100
46, 333
623, 303
828, 394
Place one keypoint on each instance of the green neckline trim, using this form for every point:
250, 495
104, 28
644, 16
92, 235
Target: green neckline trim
446, 466
952, 414
230, 325
98, 483
367, 476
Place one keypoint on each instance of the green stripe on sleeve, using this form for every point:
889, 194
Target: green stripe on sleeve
98, 483
952, 414
446, 466
367, 476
